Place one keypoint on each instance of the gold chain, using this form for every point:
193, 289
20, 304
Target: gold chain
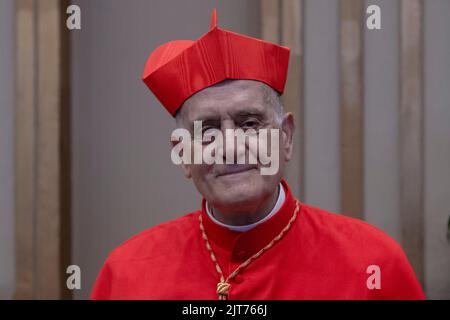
224, 285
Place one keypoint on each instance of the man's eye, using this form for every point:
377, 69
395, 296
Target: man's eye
249, 124
209, 135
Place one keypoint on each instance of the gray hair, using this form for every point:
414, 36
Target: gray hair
273, 98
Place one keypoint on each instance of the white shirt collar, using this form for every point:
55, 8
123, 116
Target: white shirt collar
278, 204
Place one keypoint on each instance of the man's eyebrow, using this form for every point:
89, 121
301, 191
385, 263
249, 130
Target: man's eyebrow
205, 119
249, 112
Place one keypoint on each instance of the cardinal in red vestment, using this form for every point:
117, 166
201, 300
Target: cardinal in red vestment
251, 239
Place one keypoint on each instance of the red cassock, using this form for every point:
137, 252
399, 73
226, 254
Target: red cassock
322, 256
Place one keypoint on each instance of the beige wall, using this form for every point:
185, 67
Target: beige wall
381, 89
437, 147
7, 87
321, 40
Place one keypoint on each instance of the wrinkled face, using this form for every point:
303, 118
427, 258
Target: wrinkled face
235, 104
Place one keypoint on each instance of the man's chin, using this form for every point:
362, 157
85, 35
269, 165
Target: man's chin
238, 189
239, 194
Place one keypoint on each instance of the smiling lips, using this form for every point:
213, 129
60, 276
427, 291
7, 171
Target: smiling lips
235, 168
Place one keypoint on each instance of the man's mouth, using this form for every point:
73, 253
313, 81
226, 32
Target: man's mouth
235, 169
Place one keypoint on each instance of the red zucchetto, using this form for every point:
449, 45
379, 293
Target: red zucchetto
178, 69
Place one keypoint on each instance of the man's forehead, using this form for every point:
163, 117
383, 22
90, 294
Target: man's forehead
229, 95
229, 90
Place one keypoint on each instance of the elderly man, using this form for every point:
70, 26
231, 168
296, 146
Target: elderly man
251, 239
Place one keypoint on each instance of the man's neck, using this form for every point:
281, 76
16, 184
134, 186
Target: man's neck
258, 213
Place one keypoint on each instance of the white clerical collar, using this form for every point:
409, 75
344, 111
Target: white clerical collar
278, 204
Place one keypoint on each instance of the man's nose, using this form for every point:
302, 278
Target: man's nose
228, 146
233, 147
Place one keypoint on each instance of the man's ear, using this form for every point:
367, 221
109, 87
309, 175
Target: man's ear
186, 168
288, 128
